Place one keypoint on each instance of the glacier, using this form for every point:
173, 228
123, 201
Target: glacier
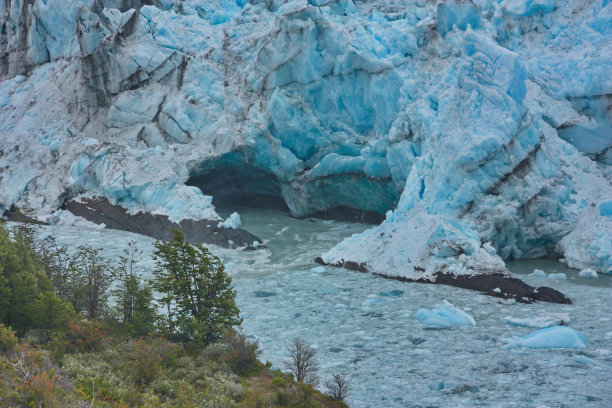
479, 130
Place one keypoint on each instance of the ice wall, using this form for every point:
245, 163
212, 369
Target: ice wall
482, 128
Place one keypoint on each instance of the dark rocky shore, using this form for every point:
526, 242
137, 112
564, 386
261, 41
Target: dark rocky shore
14, 214
487, 284
101, 211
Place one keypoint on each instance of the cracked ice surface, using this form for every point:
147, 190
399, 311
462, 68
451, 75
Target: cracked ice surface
483, 125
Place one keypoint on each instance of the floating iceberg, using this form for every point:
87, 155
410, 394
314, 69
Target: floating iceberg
588, 273
540, 322
538, 273
557, 276
444, 315
552, 337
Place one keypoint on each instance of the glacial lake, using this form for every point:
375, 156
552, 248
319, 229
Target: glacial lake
363, 325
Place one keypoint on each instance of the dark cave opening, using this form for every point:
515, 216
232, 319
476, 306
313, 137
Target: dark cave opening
234, 183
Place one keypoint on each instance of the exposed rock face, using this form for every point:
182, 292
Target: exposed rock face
16, 48
505, 287
14, 214
100, 211
495, 284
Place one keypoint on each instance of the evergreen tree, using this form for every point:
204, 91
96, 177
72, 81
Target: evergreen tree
60, 268
134, 298
196, 291
27, 298
94, 280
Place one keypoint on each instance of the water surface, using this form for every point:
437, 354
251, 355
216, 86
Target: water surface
362, 325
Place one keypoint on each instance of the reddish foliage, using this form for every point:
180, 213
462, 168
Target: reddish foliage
148, 358
85, 337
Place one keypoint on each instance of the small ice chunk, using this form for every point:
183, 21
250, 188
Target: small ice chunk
551, 337
557, 276
282, 230
489, 248
233, 222
318, 269
588, 273
497, 290
256, 244
91, 142
538, 273
444, 315
65, 217
587, 360
541, 321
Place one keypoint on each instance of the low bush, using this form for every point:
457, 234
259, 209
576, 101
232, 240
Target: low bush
85, 336
29, 379
148, 358
8, 338
241, 354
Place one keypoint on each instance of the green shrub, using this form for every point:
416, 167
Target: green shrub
283, 397
8, 338
240, 353
148, 358
98, 388
57, 345
29, 379
279, 382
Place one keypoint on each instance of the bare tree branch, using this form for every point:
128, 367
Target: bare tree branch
303, 362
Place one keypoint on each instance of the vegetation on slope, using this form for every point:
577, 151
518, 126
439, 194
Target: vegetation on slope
63, 344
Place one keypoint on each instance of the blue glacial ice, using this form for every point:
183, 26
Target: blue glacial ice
539, 322
538, 273
444, 315
233, 222
551, 337
588, 273
481, 128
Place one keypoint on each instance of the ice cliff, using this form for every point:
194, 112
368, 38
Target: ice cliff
481, 128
